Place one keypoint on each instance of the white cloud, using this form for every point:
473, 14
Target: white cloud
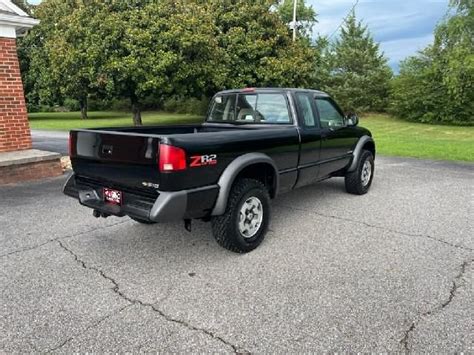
397, 50
402, 27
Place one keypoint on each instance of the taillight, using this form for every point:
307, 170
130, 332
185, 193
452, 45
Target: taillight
171, 158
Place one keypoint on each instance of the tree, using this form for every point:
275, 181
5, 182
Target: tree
453, 59
322, 70
305, 15
42, 86
160, 49
359, 74
256, 48
75, 55
437, 85
413, 96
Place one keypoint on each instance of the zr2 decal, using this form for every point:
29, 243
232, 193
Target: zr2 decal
203, 160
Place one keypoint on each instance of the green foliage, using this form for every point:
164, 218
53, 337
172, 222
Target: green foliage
437, 85
191, 106
255, 48
112, 50
72, 104
322, 59
358, 74
158, 48
43, 82
305, 15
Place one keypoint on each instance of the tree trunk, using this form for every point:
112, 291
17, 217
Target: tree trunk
137, 114
83, 105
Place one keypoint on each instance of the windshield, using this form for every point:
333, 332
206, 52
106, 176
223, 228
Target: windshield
266, 108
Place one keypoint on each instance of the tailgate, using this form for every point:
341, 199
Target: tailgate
116, 158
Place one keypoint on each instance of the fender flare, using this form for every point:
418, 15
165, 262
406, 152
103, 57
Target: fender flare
227, 178
357, 150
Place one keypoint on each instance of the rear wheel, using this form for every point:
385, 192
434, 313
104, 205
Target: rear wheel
245, 222
358, 181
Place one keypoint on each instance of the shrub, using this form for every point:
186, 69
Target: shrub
72, 105
120, 105
420, 94
96, 104
32, 107
190, 105
437, 85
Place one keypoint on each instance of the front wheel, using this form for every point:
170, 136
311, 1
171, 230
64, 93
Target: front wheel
358, 181
245, 222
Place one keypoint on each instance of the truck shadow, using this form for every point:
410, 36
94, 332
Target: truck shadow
172, 238
145, 256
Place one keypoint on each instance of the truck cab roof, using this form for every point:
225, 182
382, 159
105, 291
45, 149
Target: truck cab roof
273, 89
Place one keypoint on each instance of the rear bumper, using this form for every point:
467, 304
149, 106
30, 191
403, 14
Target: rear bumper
156, 206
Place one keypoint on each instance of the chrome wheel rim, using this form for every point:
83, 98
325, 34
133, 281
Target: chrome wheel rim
366, 173
250, 217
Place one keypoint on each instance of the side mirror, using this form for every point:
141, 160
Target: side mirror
352, 119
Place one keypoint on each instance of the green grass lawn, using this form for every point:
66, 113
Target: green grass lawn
65, 121
401, 138
392, 136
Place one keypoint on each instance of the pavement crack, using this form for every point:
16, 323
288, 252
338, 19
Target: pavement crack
213, 335
91, 326
379, 227
456, 284
60, 238
116, 289
406, 337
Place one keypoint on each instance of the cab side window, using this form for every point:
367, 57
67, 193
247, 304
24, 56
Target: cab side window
272, 108
306, 111
329, 115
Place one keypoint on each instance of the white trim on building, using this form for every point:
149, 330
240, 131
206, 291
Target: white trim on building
13, 20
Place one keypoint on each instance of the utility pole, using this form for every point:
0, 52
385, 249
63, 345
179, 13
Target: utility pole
294, 19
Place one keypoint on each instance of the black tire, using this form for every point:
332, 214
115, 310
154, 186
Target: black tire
142, 221
354, 181
225, 228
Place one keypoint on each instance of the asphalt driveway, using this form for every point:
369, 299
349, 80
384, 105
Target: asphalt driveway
53, 141
388, 271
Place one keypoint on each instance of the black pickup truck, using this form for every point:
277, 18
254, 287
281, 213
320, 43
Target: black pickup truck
254, 145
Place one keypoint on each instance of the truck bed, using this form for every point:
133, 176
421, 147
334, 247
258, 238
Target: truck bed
128, 157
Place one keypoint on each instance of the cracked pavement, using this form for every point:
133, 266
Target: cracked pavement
391, 271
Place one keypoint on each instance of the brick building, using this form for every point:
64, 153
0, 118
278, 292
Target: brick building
17, 160
14, 128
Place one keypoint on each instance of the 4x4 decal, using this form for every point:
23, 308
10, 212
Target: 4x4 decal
203, 160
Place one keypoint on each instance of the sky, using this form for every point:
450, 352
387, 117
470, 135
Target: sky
402, 27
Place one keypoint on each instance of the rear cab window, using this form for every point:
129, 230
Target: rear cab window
223, 108
261, 108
